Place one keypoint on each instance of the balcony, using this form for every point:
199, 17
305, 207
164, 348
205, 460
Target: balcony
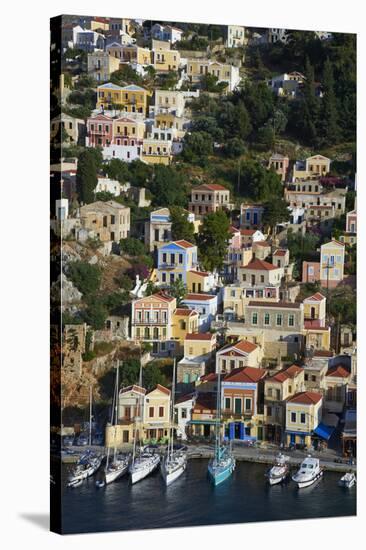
149, 322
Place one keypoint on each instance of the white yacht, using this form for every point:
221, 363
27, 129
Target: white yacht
308, 472
175, 461
279, 471
348, 480
143, 465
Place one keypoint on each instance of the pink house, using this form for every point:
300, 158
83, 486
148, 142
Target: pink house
351, 222
310, 272
99, 131
280, 164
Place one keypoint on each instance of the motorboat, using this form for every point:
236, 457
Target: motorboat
309, 472
75, 482
280, 469
348, 480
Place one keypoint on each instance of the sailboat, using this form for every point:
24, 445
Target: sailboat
144, 459
119, 465
222, 465
175, 461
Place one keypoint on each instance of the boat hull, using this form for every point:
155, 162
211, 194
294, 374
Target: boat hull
306, 483
139, 473
276, 480
221, 474
170, 477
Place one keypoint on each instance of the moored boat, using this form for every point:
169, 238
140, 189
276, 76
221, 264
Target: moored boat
222, 465
348, 480
309, 472
175, 461
279, 471
144, 464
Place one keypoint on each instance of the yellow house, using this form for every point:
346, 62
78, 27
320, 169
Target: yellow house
157, 151
130, 406
200, 344
127, 129
130, 54
331, 263
163, 58
277, 389
132, 98
101, 65
315, 307
314, 167
303, 415
185, 321
168, 121
157, 414
199, 281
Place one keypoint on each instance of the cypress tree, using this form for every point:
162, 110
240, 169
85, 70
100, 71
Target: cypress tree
310, 105
86, 177
330, 130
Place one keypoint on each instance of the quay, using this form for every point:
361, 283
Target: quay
242, 453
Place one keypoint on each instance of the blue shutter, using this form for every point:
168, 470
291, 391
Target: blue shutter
232, 430
242, 430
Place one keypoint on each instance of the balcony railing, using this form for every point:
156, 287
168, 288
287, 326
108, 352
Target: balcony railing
150, 322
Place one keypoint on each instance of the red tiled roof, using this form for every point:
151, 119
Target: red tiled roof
185, 311
262, 243
184, 244
211, 377
199, 297
284, 374
245, 374
323, 353
206, 400
247, 232
242, 345
280, 252
135, 388
260, 265
314, 324
338, 371
162, 296
199, 273
199, 336
161, 388
317, 297
281, 305
184, 398
293, 370
209, 187
233, 229
306, 398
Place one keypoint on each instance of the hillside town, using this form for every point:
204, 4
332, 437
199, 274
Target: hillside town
203, 185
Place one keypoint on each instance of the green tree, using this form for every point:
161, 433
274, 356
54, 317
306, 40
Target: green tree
213, 239
178, 290
168, 187
181, 227
151, 376
86, 277
198, 146
234, 147
275, 211
95, 314
118, 170
329, 129
86, 177
140, 173
310, 108
132, 246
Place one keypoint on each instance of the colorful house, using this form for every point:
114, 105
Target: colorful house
200, 281
242, 403
131, 98
205, 305
185, 321
313, 167
175, 259
236, 356
157, 414
303, 416
207, 198
183, 413
317, 333
198, 352
251, 215
277, 389
331, 263
152, 320
279, 163
259, 272
337, 379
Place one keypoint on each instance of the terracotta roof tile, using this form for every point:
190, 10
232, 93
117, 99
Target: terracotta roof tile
306, 398
260, 265
184, 244
185, 311
338, 371
199, 336
245, 374
199, 297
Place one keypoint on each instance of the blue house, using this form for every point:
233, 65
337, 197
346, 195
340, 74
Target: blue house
174, 260
206, 305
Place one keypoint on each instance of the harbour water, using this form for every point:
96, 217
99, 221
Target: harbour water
192, 501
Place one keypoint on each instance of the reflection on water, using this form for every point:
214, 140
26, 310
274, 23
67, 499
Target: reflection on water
192, 500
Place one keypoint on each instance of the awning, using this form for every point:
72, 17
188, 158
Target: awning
324, 431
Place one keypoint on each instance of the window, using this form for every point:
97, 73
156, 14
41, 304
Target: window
237, 405
161, 411
184, 413
306, 377
180, 258
279, 319
302, 418
248, 404
269, 411
255, 319
227, 403
262, 278
151, 412
313, 378
293, 417
223, 364
269, 392
266, 319
291, 320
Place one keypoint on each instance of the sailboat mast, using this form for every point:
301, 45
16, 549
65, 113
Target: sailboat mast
90, 414
172, 412
218, 415
138, 411
116, 410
